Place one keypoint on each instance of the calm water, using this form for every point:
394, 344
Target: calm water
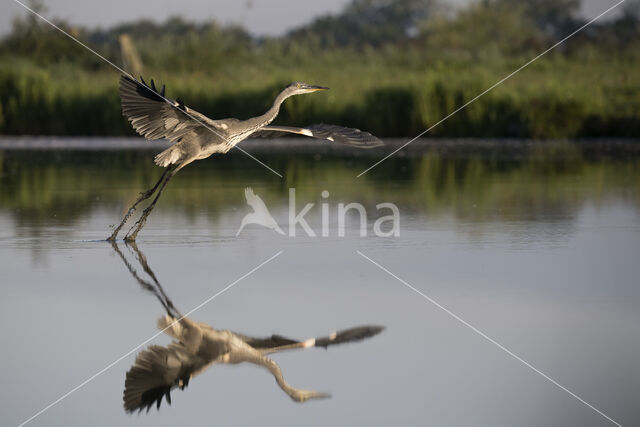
537, 246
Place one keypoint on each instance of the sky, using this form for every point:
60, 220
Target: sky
261, 17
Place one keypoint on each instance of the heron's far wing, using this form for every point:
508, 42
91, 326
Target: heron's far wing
154, 116
156, 371
355, 334
343, 135
266, 342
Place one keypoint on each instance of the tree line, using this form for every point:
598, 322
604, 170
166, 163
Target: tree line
399, 66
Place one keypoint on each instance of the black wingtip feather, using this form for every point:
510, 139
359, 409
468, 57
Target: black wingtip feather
151, 397
344, 135
358, 333
143, 89
145, 385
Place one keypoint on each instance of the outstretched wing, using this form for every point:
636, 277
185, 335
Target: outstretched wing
266, 342
156, 371
154, 116
355, 334
343, 135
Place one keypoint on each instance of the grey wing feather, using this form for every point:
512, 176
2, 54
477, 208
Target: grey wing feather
343, 135
357, 333
156, 371
154, 116
267, 342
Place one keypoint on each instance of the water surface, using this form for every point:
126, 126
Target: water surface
534, 244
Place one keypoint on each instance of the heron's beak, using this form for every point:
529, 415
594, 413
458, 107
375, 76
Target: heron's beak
316, 88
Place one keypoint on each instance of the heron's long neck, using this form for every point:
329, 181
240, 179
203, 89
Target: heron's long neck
272, 113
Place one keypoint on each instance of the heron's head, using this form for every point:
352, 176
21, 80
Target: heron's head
298, 88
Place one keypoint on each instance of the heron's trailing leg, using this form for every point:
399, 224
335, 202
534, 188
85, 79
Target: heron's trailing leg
133, 232
296, 394
143, 196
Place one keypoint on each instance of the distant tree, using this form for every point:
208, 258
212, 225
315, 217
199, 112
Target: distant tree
627, 27
179, 44
368, 22
555, 18
619, 35
33, 38
487, 28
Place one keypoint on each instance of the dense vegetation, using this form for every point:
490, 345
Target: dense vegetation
396, 67
43, 188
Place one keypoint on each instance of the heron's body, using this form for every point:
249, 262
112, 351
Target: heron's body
228, 133
198, 346
196, 137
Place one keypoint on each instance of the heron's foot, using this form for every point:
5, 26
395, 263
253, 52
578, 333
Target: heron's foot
133, 232
126, 217
114, 235
304, 395
131, 236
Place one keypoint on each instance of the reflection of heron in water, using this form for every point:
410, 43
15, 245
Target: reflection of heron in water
260, 214
196, 346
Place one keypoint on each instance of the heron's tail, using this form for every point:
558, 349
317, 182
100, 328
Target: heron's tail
168, 157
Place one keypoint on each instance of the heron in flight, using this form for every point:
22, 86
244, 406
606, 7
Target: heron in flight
196, 137
197, 346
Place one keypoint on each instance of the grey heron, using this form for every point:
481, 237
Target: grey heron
196, 137
197, 346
